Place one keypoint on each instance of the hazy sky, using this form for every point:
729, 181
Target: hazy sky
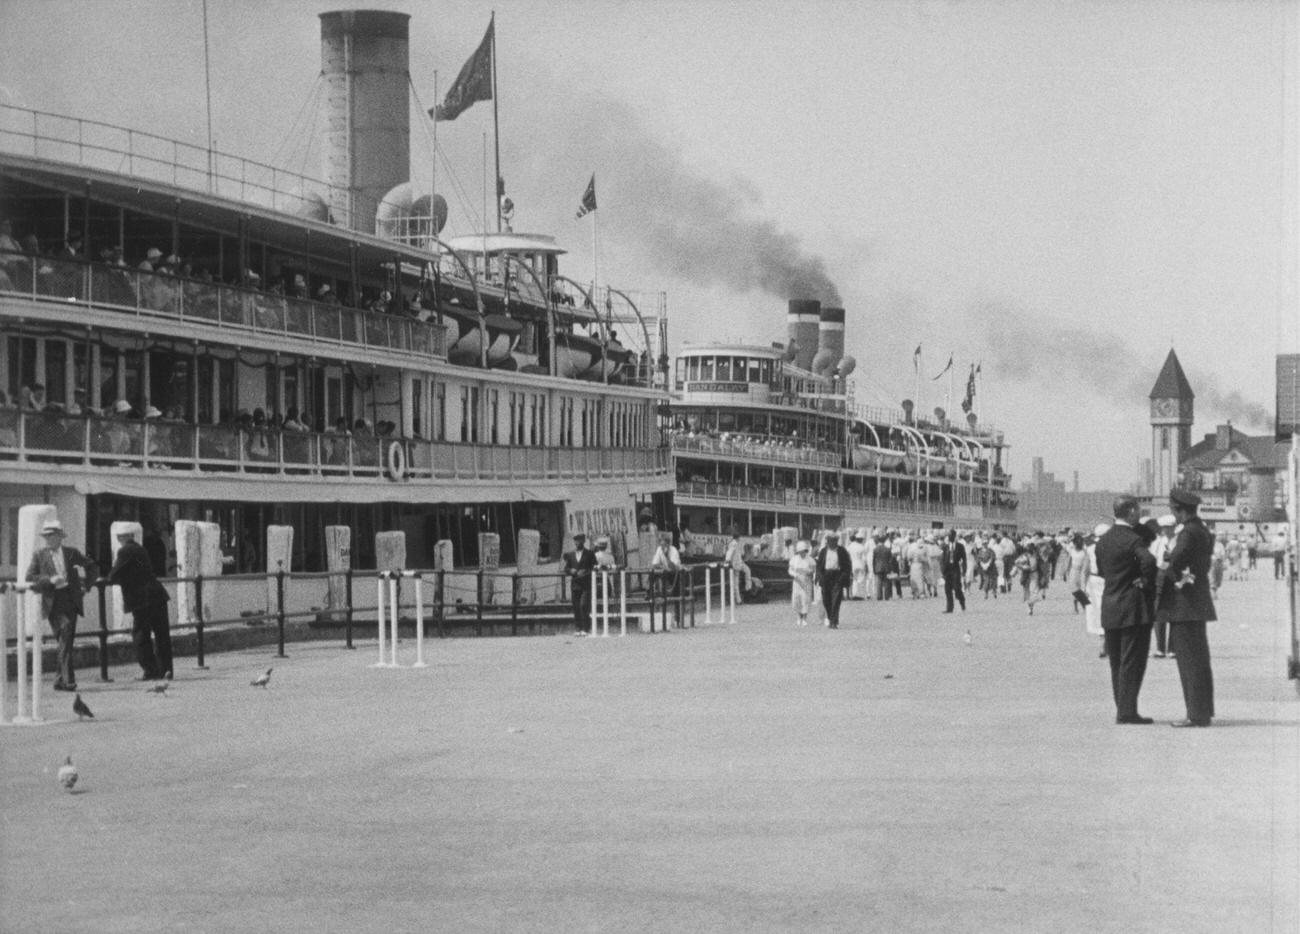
1058, 191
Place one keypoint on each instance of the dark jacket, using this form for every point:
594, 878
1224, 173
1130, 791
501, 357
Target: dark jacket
579, 565
133, 572
841, 576
81, 573
880, 558
1192, 551
1129, 569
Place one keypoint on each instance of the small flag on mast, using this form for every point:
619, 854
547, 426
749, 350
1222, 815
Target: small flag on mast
945, 369
588, 198
474, 83
916, 358
969, 401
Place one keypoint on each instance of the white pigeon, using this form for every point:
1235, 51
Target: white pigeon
67, 774
968, 638
262, 680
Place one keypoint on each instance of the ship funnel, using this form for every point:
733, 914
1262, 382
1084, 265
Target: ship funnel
801, 323
365, 66
830, 333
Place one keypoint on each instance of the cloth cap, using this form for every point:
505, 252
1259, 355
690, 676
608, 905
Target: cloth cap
323, 290
52, 525
1167, 521
121, 406
1184, 498
579, 536
151, 412
1101, 530
172, 260
153, 253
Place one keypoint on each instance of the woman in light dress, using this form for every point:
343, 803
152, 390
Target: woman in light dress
801, 568
1095, 586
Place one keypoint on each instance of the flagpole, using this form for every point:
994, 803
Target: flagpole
952, 387
496, 129
917, 361
433, 169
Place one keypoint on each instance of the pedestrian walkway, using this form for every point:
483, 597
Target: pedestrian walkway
888, 776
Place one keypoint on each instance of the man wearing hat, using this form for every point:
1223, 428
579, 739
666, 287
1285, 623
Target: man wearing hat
1189, 606
834, 574
1125, 563
61, 574
578, 565
146, 600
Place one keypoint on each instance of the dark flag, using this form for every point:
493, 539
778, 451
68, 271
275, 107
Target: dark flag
945, 369
969, 401
916, 358
474, 83
588, 198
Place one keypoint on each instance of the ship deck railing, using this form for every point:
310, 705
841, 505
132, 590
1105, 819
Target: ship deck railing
248, 311
93, 144
775, 452
817, 499
44, 438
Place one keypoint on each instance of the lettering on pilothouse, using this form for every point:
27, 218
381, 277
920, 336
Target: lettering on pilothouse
611, 520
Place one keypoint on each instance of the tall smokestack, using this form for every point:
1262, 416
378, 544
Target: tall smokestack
802, 322
365, 57
830, 340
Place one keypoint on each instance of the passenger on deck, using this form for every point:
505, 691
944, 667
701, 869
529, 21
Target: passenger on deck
151, 260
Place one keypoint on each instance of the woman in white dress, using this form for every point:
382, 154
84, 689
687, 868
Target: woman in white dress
802, 568
1095, 586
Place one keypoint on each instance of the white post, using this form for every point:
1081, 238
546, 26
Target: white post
380, 618
595, 591
419, 624
392, 611
20, 625
4, 625
38, 661
604, 599
622, 602
731, 618
708, 594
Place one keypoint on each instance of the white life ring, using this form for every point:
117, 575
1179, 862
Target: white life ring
396, 461
1243, 511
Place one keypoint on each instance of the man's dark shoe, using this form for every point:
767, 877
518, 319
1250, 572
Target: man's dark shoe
1135, 721
60, 686
1182, 723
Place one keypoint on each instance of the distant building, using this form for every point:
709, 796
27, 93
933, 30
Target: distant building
1241, 479
1046, 505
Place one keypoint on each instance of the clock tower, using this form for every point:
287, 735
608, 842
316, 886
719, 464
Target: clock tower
1171, 424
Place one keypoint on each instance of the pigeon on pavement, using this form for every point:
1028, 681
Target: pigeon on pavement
261, 680
159, 688
80, 709
67, 774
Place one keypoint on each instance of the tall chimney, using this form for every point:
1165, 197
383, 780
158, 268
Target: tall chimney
365, 62
802, 322
830, 340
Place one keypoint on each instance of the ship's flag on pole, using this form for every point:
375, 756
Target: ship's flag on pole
588, 198
945, 369
916, 358
969, 401
473, 84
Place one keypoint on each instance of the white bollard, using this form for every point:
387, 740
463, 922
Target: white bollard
708, 594
393, 613
607, 583
419, 623
595, 592
20, 626
380, 620
38, 661
622, 603
731, 618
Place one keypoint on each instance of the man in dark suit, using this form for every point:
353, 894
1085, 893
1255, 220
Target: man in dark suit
578, 565
1126, 564
1187, 600
833, 573
953, 564
880, 558
146, 600
61, 575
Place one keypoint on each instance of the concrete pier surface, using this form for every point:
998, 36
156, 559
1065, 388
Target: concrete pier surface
887, 776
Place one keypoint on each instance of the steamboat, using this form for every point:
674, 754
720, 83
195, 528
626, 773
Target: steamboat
769, 443
224, 341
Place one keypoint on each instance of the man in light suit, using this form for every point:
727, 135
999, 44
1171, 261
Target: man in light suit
1186, 598
834, 573
1125, 562
61, 575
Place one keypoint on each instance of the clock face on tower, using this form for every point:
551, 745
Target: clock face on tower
1165, 408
